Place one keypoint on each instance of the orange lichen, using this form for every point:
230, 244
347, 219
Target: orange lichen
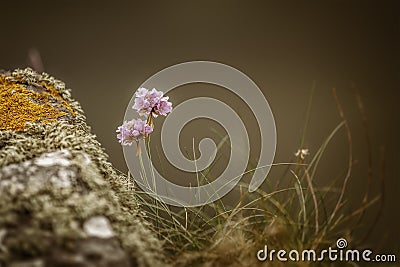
20, 105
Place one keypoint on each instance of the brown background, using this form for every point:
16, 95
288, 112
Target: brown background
105, 50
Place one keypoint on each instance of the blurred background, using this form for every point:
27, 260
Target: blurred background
104, 50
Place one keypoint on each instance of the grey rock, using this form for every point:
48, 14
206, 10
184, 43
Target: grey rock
61, 201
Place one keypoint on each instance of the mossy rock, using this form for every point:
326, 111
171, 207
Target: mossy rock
61, 201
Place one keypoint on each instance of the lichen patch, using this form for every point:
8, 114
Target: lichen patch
3, 233
98, 226
23, 103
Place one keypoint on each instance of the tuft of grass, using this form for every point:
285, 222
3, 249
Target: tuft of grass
297, 216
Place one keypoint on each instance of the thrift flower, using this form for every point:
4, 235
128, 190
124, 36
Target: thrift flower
147, 103
163, 107
151, 103
302, 153
133, 131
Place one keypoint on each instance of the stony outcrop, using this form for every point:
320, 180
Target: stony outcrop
61, 201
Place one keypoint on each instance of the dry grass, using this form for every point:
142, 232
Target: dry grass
297, 216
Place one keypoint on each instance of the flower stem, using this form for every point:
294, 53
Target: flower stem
138, 150
150, 120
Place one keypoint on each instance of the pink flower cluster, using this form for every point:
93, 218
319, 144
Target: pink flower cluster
147, 103
151, 103
133, 131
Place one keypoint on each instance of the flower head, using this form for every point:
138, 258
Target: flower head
151, 102
132, 131
302, 153
163, 107
147, 103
